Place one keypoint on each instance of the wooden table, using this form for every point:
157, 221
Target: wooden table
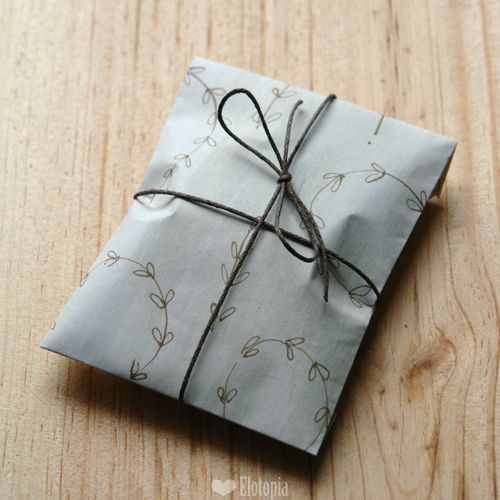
85, 88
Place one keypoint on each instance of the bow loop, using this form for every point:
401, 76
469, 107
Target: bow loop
277, 169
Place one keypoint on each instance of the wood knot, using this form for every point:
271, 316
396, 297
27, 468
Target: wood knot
432, 363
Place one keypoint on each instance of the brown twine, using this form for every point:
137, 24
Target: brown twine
284, 188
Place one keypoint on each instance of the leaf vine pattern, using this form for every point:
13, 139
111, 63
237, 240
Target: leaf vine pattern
317, 373
334, 180
225, 271
270, 116
210, 96
161, 335
359, 295
226, 395
165, 184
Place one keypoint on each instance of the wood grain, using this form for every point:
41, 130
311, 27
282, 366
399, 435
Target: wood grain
85, 88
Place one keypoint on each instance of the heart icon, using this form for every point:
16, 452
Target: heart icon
223, 488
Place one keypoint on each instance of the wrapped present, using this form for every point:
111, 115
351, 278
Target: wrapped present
244, 276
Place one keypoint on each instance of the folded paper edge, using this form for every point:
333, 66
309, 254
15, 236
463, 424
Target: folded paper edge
440, 184
436, 192
188, 405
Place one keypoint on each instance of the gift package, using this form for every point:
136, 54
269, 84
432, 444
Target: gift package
244, 275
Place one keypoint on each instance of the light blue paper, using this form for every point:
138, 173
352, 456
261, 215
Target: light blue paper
278, 356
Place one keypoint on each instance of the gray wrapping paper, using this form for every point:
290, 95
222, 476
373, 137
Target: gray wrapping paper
278, 355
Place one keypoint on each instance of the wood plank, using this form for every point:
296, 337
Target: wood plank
86, 88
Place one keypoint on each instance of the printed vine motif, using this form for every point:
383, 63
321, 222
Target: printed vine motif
225, 271
334, 181
317, 373
379, 125
272, 117
166, 183
226, 395
161, 335
358, 294
210, 96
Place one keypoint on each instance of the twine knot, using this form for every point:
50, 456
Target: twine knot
284, 178
285, 187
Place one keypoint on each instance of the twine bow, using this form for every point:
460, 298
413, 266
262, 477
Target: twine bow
285, 187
